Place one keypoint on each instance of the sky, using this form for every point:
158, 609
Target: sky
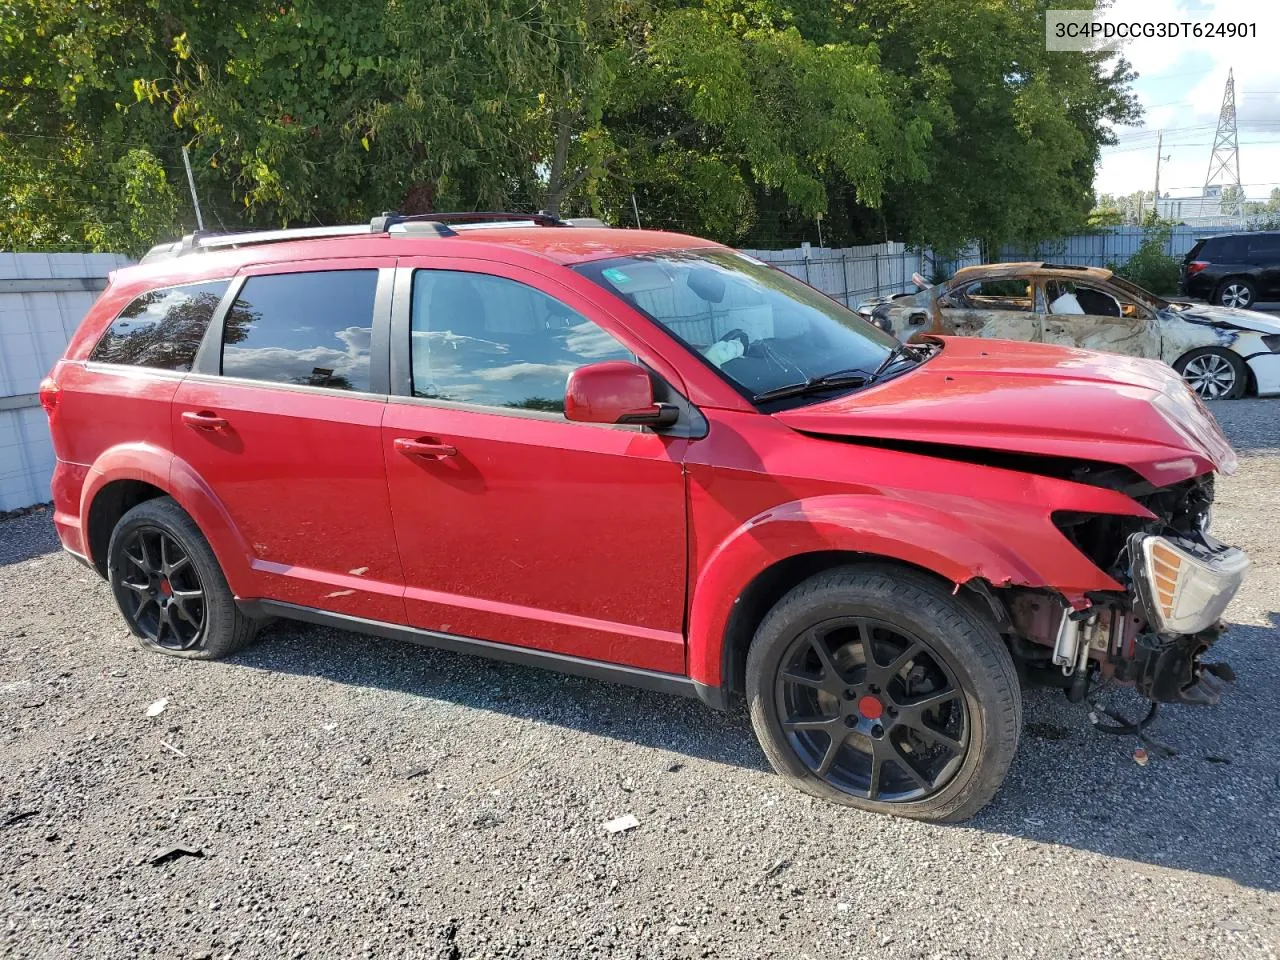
1180, 85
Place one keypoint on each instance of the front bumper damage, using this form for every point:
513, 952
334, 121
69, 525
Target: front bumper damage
1154, 636
1182, 586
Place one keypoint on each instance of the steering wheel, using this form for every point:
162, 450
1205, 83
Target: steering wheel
740, 335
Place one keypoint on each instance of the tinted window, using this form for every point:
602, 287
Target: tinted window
496, 342
163, 328
1223, 249
304, 328
1266, 246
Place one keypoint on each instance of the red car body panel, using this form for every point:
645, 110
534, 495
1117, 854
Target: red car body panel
1036, 398
761, 493
609, 543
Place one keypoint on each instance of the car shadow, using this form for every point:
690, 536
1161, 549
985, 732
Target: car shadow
26, 537
1200, 809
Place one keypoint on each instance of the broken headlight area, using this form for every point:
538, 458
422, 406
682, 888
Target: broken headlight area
1177, 583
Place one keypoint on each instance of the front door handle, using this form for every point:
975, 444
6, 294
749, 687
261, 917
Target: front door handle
424, 448
204, 420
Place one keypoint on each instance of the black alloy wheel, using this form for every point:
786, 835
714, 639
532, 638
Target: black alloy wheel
876, 686
871, 709
168, 606
170, 587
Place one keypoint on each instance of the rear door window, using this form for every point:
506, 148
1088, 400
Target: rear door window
161, 329
309, 329
1265, 247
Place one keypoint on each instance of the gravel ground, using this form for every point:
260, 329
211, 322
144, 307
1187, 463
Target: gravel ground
289, 767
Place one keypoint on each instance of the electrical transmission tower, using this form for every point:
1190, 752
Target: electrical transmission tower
1224, 161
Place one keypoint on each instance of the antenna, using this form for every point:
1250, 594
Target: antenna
1224, 161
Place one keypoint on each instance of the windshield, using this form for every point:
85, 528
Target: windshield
1138, 293
761, 328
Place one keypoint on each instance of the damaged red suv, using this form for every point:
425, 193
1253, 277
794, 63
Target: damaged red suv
647, 458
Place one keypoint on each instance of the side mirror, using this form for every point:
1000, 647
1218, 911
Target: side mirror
615, 391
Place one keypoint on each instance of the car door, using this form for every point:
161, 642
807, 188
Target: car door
514, 524
1001, 308
1098, 317
281, 420
1264, 256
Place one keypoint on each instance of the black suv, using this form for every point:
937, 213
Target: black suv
1233, 270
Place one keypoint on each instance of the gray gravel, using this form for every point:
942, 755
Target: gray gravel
287, 767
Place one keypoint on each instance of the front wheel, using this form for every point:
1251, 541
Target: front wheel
873, 687
1214, 373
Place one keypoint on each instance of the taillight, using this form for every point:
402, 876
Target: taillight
49, 394
1195, 266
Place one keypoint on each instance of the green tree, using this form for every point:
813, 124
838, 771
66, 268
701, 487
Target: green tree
934, 122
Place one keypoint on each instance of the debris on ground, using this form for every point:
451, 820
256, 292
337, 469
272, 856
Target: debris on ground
169, 746
157, 708
776, 869
167, 854
1140, 756
621, 824
18, 818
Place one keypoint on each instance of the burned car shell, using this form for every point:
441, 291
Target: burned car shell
1155, 329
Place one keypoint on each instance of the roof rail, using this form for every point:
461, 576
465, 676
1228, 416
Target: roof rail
436, 224
1065, 266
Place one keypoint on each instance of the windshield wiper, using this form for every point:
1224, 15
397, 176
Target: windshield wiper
828, 381
900, 352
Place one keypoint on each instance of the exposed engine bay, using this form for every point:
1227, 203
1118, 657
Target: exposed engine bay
1178, 581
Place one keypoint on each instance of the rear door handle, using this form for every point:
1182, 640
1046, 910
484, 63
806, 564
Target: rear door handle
425, 448
204, 420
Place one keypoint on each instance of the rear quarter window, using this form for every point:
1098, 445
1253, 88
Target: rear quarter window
1223, 249
161, 329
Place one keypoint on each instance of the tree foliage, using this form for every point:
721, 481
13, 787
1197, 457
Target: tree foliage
932, 121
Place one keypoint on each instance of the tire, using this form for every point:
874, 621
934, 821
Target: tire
157, 563
1236, 292
898, 609
1214, 373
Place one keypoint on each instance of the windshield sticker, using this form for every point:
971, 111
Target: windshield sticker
614, 275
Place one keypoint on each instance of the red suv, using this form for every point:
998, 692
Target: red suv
647, 458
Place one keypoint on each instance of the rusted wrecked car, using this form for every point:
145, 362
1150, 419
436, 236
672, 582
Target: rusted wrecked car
1222, 353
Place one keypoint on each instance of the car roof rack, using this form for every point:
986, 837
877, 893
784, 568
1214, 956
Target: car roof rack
433, 224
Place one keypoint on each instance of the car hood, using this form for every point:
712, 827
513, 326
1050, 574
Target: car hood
1030, 398
1244, 319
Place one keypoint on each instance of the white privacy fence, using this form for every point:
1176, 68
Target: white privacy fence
853, 274
43, 298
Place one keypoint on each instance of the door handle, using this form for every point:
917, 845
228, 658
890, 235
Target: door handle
204, 420
424, 448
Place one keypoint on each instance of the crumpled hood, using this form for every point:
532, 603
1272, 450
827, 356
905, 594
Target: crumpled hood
1245, 319
1037, 399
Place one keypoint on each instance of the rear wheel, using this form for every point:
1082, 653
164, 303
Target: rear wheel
871, 686
1236, 292
169, 586
1214, 373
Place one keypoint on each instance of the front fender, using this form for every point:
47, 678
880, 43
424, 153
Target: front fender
956, 537
161, 469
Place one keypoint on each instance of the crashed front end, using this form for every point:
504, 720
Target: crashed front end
1177, 580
